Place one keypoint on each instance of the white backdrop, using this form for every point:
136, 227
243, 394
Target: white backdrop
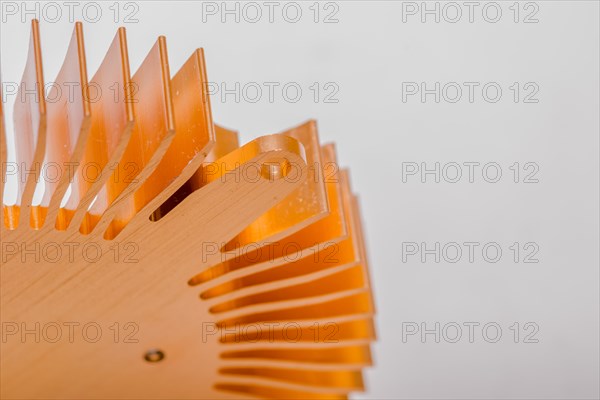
488, 88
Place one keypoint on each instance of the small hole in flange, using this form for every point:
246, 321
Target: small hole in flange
154, 355
275, 169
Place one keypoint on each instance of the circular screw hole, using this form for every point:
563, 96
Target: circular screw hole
154, 355
275, 169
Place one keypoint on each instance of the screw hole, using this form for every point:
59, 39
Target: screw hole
154, 355
275, 169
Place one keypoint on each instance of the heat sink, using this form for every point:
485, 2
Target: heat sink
164, 260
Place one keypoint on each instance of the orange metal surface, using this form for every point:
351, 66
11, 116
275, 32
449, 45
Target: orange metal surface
213, 270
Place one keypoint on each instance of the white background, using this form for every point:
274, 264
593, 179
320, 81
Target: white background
368, 54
